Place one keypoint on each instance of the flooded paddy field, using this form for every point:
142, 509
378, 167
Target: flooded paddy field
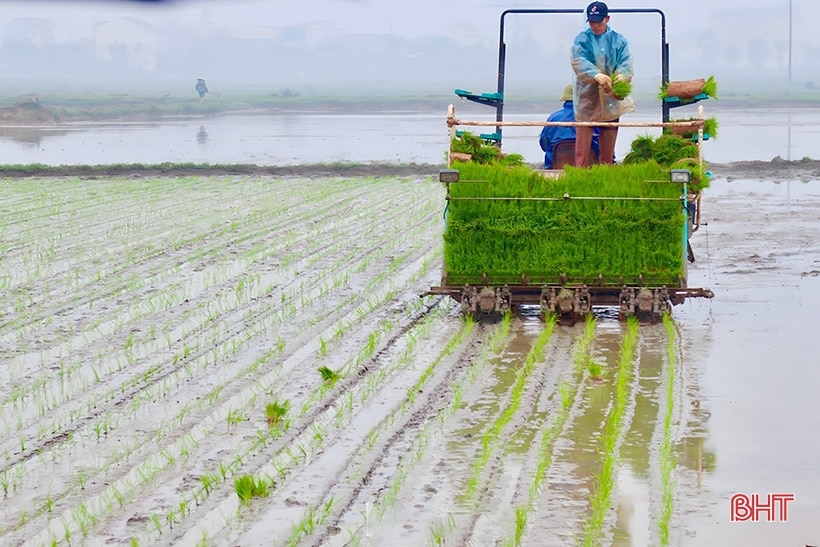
162, 340
297, 138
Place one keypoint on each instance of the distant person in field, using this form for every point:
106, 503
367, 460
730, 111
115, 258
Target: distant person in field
201, 88
552, 135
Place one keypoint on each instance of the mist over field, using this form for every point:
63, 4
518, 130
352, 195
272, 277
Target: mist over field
348, 47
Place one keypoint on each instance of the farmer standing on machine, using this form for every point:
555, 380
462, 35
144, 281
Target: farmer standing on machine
599, 56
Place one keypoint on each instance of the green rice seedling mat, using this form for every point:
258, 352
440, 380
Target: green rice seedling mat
601, 225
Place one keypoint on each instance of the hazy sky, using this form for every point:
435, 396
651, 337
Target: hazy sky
407, 18
733, 37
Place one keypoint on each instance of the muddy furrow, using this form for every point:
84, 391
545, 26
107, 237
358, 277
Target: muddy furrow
225, 234
181, 424
246, 317
351, 434
184, 302
380, 485
466, 475
312, 408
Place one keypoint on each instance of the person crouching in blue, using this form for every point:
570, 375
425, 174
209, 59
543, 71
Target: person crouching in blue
552, 135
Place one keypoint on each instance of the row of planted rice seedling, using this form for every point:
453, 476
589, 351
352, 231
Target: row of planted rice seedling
666, 456
619, 222
612, 436
189, 349
313, 443
492, 438
286, 443
132, 351
562, 399
421, 445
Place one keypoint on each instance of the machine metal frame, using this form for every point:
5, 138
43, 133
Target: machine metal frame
568, 298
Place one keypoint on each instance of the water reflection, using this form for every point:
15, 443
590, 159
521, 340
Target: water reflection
407, 137
753, 350
29, 136
201, 135
640, 480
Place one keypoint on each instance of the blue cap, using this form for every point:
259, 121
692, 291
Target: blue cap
597, 12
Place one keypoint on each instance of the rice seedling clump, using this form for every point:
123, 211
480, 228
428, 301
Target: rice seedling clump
481, 151
621, 88
588, 223
710, 128
709, 88
670, 151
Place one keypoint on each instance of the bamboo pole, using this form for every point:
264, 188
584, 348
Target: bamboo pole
700, 166
451, 132
700, 136
452, 122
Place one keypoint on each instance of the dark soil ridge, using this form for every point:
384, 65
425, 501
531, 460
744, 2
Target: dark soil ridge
31, 111
188, 170
777, 169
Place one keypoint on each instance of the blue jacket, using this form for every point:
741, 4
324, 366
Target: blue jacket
550, 135
609, 54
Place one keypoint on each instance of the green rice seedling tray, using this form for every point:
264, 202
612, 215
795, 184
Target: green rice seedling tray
603, 226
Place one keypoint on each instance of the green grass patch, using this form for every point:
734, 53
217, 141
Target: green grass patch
618, 221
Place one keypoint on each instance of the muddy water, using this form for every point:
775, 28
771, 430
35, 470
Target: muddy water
420, 137
751, 363
290, 139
